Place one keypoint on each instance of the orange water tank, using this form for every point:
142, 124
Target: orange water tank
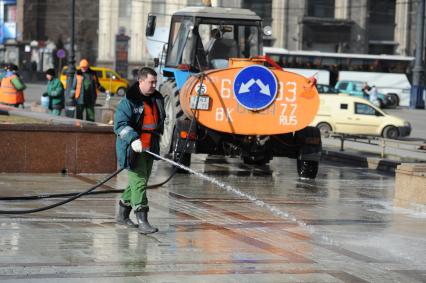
290, 106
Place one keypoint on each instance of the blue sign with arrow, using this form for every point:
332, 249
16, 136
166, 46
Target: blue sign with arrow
255, 87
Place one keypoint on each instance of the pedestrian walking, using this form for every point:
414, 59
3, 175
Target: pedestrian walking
366, 91
86, 86
373, 95
12, 88
138, 124
55, 92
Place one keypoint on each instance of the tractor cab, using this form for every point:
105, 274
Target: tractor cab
203, 38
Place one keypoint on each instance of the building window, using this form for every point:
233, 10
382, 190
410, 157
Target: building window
321, 8
381, 26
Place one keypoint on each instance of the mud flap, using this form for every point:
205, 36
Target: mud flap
309, 139
181, 143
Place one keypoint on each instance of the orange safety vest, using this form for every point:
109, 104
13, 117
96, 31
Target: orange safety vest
80, 85
8, 92
150, 119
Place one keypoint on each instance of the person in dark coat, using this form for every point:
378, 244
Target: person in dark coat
138, 124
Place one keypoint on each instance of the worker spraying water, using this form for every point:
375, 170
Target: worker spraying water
138, 122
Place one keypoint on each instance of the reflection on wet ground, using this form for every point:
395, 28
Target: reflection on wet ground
341, 227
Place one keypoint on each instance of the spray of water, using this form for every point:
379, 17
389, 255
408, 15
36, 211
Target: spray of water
274, 210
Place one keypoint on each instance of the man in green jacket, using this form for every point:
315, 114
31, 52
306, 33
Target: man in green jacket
138, 124
55, 91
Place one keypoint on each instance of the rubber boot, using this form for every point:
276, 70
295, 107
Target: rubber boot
142, 217
123, 215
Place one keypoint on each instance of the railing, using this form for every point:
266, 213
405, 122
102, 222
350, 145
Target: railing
409, 145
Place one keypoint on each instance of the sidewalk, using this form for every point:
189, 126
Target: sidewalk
334, 229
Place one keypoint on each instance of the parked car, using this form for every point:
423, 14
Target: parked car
345, 114
108, 78
354, 88
395, 85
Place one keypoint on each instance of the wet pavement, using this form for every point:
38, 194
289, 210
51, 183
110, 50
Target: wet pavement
342, 227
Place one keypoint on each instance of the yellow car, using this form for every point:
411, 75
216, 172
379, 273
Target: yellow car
108, 78
344, 114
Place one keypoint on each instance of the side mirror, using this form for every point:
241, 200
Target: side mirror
150, 25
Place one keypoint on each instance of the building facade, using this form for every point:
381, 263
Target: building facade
33, 30
50, 21
363, 26
129, 17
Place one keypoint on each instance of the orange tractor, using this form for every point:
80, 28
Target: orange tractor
223, 98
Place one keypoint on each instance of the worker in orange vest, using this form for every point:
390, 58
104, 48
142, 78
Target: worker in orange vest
12, 87
86, 86
138, 124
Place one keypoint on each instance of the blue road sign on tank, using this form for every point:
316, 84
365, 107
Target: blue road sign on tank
255, 87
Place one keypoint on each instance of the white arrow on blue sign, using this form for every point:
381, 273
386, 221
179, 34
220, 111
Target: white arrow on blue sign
255, 87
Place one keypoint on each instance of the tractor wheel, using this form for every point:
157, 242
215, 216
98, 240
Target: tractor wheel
307, 168
171, 102
182, 158
174, 112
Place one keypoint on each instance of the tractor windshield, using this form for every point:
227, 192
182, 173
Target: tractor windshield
209, 43
179, 36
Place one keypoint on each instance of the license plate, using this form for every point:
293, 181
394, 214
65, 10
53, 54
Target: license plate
203, 102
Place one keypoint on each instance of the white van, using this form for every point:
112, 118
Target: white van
341, 113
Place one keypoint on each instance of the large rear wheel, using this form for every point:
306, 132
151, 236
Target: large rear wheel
174, 113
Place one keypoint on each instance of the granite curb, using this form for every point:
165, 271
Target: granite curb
361, 160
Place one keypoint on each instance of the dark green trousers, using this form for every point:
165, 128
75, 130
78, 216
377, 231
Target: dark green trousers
135, 193
90, 112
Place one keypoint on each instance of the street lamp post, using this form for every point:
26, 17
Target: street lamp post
69, 94
416, 99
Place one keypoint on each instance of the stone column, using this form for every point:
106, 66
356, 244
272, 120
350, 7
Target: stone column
138, 54
402, 27
280, 23
108, 20
20, 20
341, 9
